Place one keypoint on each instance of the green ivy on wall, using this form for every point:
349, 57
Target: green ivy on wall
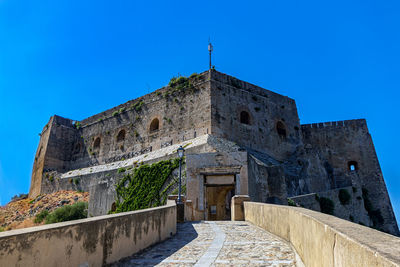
141, 189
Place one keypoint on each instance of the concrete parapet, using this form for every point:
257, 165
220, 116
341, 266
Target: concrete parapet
237, 212
324, 240
89, 242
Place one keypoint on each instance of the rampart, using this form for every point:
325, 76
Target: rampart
265, 109
324, 240
88, 242
341, 154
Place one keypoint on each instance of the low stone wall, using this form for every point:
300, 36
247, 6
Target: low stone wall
324, 240
89, 242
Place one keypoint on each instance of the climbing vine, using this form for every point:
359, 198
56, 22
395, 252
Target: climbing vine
141, 188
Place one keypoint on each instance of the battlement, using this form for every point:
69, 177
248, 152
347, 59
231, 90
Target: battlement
335, 124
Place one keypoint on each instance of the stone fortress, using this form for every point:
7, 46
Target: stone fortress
239, 139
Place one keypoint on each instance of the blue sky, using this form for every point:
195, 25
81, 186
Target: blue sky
338, 60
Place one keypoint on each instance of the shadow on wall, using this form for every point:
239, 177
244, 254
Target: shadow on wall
154, 255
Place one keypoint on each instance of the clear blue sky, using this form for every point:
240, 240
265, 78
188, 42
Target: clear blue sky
338, 60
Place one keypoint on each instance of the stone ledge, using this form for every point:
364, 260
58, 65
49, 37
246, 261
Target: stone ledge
89, 242
324, 240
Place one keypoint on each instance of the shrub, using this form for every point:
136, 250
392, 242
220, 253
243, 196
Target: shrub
374, 214
68, 213
138, 105
121, 110
120, 170
344, 196
326, 204
194, 75
115, 113
19, 197
291, 202
77, 125
51, 178
41, 216
76, 181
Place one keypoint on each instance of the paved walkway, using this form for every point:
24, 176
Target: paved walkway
222, 243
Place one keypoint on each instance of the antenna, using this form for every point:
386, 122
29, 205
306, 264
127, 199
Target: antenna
210, 49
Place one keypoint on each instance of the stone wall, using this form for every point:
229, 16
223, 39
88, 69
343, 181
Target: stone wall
88, 242
266, 183
324, 240
230, 97
124, 131
352, 211
339, 154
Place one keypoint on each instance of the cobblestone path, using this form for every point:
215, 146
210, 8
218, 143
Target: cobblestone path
222, 243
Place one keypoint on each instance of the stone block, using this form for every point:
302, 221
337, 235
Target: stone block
237, 209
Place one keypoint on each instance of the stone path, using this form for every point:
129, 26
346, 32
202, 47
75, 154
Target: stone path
222, 243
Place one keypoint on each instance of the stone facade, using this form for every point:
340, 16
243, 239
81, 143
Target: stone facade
240, 139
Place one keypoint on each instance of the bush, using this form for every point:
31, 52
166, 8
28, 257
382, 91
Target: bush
291, 202
77, 125
115, 113
326, 204
344, 197
41, 216
68, 213
138, 105
19, 197
374, 214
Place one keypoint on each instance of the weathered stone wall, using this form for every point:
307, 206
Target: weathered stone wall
182, 114
89, 242
230, 96
352, 211
330, 150
266, 183
53, 154
324, 240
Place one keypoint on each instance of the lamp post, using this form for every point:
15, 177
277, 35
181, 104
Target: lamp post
181, 152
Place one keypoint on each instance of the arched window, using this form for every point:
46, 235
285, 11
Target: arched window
244, 117
96, 144
154, 125
352, 165
281, 129
121, 136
